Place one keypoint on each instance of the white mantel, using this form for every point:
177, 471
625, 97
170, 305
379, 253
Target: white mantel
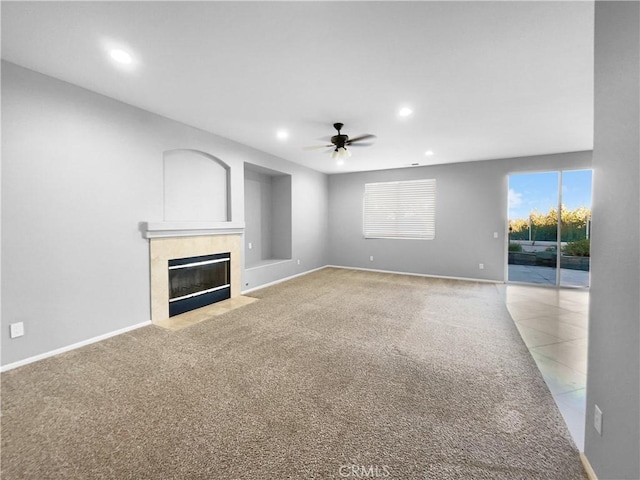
190, 229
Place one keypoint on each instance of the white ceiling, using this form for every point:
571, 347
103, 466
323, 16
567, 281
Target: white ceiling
485, 79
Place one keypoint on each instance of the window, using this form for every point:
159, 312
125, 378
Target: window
400, 209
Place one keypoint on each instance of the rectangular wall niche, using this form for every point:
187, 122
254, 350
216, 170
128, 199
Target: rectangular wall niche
267, 200
195, 282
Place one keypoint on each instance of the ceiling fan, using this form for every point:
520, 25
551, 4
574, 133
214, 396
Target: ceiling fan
340, 142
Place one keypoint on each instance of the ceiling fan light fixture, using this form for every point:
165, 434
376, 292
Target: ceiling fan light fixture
340, 153
340, 142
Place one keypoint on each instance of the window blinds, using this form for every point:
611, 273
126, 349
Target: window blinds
405, 209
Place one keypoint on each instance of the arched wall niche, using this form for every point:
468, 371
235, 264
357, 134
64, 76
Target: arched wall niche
196, 187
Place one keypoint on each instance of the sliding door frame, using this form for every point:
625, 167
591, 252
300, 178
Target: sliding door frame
558, 228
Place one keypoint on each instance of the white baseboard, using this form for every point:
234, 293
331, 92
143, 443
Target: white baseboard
418, 274
587, 467
58, 351
275, 282
370, 270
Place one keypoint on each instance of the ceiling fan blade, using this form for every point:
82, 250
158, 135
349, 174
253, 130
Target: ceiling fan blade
361, 144
361, 137
316, 147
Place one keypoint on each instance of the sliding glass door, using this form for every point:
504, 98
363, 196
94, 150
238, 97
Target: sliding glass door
533, 227
575, 228
549, 223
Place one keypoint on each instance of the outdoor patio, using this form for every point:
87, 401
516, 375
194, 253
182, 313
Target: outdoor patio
547, 276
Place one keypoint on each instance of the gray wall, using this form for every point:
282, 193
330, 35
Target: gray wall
257, 194
281, 216
471, 204
80, 171
614, 315
195, 187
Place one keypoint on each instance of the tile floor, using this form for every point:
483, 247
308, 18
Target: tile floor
553, 324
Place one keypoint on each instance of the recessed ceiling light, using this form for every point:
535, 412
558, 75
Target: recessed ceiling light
428, 153
405, 112
282, 134
121, 56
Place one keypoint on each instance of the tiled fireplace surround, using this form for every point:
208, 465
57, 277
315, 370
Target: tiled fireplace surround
169, 241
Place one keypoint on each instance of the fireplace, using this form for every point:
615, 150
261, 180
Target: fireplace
198, 281
169, 242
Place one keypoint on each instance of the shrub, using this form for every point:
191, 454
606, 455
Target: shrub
544, 227
579, 248
515, 247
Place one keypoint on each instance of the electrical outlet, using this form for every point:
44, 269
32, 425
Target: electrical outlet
371, 258
250, 245
481, 266
16, 329
495, 234
597, 419
298, 261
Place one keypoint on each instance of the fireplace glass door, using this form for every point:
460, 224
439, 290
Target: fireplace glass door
198, 281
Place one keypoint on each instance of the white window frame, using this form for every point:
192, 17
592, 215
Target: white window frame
400, 210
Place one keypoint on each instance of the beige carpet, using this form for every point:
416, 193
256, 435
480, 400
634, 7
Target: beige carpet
336, 374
